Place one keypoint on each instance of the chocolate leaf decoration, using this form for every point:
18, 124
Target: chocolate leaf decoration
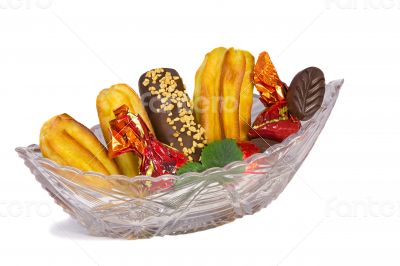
306, 93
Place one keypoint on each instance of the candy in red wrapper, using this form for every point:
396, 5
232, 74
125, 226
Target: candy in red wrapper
130, 134
248, 148
275, 123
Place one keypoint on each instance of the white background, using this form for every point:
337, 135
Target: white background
343, 205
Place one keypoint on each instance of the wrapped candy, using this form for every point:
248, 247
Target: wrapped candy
248, 148
130, 133
267, 81
275, 122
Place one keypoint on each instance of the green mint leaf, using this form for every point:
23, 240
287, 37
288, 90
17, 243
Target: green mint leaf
220, 153
190, 167
216, 154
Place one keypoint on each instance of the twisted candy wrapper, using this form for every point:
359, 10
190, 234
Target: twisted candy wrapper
267, 82
274, 122
130, 133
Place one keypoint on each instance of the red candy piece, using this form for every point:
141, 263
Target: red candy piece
130, 133
248, 148
275, 123
163, 184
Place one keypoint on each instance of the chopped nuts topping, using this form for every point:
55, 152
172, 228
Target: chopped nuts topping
146, 82
176, 103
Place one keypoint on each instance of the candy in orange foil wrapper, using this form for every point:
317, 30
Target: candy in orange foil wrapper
275, 122
267, 82
131, 134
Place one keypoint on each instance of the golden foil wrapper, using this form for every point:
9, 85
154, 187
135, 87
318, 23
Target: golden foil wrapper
126, 136
130, 133
267, 82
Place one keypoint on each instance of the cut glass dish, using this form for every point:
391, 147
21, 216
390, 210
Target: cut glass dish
118, 206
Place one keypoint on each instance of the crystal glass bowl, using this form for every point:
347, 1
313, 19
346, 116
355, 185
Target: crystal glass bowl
120, 207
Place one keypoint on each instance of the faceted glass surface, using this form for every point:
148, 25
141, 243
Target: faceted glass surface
118, 206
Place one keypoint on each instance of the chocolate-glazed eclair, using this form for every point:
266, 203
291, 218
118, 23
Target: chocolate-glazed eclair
170, 111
